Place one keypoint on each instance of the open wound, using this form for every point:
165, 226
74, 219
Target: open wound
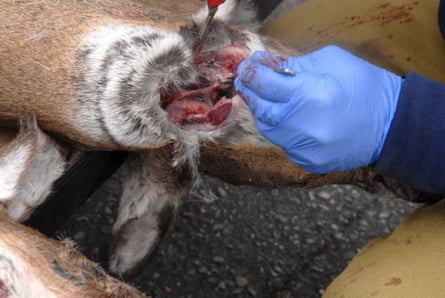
206, 104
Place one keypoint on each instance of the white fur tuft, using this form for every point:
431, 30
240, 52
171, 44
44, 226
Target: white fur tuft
12, 166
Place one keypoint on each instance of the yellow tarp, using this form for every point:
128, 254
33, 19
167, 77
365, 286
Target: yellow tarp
400, 36
408, 263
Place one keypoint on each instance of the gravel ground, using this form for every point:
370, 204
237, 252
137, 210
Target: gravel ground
250, 242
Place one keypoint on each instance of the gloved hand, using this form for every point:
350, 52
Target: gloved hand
333, 115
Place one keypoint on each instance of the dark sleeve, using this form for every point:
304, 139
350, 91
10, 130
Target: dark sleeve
414, 149
442, 17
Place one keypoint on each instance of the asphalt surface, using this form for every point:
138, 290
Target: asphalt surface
250, 242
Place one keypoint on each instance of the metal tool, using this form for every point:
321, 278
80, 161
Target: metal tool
285, 71
212, 6
227, 81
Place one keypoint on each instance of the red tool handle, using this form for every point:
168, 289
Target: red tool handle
214, 3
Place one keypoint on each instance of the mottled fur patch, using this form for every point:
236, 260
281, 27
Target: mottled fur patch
123, 70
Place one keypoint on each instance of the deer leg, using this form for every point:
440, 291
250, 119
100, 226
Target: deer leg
32, 265
152, 191
29, 165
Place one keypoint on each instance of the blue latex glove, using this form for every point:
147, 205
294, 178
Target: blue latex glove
333, 115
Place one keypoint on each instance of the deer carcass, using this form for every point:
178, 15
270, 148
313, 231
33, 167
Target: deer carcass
114, 75
32, 265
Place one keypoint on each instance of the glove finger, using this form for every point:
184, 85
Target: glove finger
265, 111
249, 97
296, 64
266, 82
267, 59
308, 87
330, 59
316, 62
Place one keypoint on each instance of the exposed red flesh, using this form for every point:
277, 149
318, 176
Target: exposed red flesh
218, 115
187, 109
206, 103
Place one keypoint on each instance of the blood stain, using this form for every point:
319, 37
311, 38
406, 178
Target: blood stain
395, 281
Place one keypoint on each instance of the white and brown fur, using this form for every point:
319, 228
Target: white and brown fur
29, 165
91, 72
32, 265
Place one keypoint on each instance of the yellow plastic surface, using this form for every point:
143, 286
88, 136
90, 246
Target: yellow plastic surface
400, 36
408, 263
